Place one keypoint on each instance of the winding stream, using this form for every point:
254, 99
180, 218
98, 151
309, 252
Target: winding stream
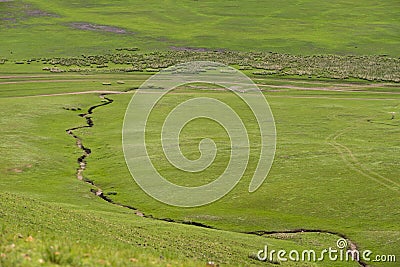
99, 192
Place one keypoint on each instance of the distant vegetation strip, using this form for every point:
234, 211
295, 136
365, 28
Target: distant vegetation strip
370, 68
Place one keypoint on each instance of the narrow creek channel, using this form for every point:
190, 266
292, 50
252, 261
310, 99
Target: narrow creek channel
95, 189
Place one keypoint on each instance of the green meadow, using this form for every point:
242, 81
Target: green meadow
294, 26
331, 172
329, 71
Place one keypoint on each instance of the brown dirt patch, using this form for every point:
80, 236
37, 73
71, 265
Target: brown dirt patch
96, 27
38, 13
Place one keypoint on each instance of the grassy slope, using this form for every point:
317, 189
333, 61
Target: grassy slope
310, 185
295, 26
38, 166
71, 235
349, 206
41, 197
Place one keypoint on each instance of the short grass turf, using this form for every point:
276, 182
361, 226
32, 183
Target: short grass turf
48, 217
37, 28
336, 169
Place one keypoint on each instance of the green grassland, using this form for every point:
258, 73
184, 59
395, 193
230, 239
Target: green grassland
315, 182
329, 70
336, 169
51, 205
37, 28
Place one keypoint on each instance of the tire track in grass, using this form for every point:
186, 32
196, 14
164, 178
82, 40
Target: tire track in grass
351, 245
353, 163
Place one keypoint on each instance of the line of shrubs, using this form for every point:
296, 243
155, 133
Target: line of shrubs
371, 68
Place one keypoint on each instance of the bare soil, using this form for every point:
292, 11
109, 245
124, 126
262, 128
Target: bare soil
96, 27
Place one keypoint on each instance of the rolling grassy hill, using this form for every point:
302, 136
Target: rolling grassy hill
36, 28
332, 173
336, 170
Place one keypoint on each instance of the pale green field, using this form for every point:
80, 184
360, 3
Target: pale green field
329, 70
332, 172
37, 28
